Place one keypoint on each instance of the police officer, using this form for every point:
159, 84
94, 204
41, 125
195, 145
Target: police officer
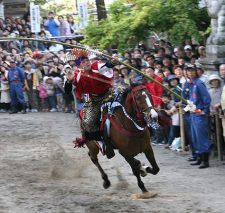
199, 96
16, 80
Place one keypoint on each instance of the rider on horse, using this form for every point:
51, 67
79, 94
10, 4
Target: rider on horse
94, 80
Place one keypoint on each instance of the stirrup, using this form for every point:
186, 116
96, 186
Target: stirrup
79, 142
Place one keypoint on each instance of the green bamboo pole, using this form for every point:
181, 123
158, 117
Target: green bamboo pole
97, 53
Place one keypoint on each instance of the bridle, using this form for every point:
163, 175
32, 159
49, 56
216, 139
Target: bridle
146, 113
143, 89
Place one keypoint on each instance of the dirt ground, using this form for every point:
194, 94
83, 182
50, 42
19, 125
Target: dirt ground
40, 171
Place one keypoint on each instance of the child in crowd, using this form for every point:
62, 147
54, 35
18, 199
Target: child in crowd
167, 105
59, 92
51, 94
4, 90
173, 112
31, 83
43, 96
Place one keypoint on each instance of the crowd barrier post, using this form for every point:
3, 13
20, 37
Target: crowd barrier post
219, 138
182, 132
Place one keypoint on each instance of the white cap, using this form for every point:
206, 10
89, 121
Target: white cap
187, 47
175, 49
214, 77
67, 66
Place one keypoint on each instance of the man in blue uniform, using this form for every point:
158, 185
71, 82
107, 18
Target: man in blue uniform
16, 81
199, 96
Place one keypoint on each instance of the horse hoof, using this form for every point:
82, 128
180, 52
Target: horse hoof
155, 171
152, 171
106, 184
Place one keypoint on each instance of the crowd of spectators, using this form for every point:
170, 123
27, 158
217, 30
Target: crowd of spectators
44, 66
43, 63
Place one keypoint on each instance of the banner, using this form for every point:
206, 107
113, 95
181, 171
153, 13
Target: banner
2, 10
35, 18
83, 13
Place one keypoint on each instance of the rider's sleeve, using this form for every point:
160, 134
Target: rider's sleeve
103, 69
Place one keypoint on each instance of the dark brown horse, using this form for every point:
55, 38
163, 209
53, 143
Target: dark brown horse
129, 133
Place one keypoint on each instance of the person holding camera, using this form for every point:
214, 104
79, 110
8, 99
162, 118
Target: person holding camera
52, 25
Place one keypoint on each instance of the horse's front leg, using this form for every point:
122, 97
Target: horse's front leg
135, 166
93, 153
151, 158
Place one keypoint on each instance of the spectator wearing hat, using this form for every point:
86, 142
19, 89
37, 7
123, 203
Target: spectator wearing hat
215, 92
199, 96
188, 53
16, 79
59, 93
126, 74
178, 52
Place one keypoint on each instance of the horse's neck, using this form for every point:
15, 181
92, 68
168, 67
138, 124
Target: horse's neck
129, 105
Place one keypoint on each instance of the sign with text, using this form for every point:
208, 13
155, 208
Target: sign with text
83, 13
35, 18
2, 11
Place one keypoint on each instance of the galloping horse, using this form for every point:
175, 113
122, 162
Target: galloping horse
129, 132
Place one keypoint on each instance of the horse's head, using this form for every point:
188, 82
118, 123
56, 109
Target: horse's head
142, 102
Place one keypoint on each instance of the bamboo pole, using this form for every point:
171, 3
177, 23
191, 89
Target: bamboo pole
97, 53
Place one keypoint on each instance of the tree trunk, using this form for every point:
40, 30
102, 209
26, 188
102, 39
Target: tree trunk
101, 11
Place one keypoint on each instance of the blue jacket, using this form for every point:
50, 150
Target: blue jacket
16, 74
53, 27
197, 92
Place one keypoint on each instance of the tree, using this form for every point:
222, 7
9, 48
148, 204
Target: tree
132, 21
39, 2
101, 11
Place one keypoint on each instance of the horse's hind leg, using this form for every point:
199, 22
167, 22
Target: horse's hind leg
93, 152
151, 158
135, 166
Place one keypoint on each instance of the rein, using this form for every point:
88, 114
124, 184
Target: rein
138, 111
111, 106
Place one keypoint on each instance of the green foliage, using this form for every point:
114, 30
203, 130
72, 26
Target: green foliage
132, 21
62, 7
39, 2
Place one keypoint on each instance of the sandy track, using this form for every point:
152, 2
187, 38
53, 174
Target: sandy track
41, 172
